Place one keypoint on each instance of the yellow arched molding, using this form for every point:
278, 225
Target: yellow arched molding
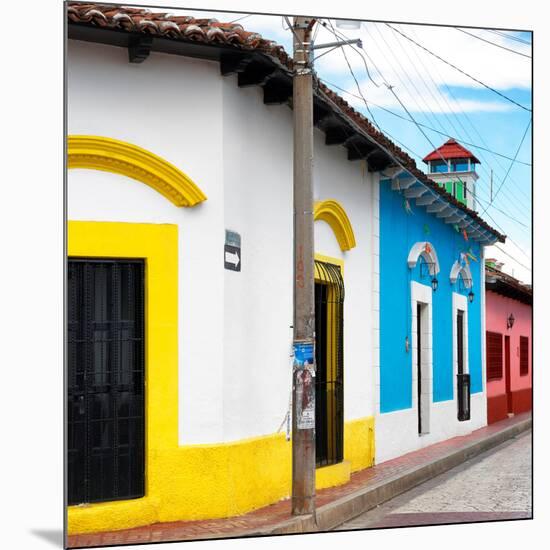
332, 212
113, 155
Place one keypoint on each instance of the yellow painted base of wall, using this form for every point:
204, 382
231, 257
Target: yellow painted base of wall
333, 475
359, 443
223, 480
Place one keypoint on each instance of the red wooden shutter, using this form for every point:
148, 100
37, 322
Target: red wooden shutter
494, 355
523, 355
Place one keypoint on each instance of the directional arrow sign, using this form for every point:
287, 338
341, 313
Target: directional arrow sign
232, 258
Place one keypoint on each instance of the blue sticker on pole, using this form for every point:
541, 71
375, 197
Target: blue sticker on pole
303, 355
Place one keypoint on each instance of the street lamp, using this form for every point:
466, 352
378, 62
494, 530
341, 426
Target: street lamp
348, 24
510, 321
471, 296
435, 283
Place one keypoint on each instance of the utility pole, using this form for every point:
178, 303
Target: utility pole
303, 375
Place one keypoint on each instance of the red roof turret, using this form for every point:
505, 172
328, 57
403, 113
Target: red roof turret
451, 149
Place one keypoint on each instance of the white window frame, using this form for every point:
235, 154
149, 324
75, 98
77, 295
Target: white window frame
460, 302
422, 294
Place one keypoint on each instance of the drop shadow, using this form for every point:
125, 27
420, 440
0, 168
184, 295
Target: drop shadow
53, 536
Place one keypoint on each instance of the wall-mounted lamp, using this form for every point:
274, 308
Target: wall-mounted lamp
407, 346
464, 283
471, 296
435, 283
510, 321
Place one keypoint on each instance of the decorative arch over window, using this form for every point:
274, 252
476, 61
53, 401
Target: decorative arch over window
120, 157
427, 251
332, 212
462, 270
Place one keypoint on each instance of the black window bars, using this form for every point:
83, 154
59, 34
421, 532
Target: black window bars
105, 381
329, 358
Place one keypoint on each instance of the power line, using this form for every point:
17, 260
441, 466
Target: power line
503, 212
340, 35
509, 36
241, 18
508, 236
415, 154
515, 259
481, 199
354, 77
476, 131
511, 164
412, 119
460, 70
483, 167
385, 109
405, 87
489, 42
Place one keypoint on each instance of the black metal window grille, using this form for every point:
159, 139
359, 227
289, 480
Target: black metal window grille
463, 379
460, 341
329, 359
463, 392
106, 384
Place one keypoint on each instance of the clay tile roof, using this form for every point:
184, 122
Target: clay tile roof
208, 31
502, 283
451, 149
211, 31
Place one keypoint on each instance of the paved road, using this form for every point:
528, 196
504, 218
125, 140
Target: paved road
493, 485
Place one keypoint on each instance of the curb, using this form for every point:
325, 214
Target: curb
335, 513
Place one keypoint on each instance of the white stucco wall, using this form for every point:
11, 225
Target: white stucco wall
352, 186
171, 106
234, 327
397, 432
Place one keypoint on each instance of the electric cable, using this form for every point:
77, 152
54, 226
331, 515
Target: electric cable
461, 71
489, 42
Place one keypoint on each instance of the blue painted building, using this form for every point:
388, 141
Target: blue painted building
431, 374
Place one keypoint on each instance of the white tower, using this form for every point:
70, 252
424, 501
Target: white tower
454, 167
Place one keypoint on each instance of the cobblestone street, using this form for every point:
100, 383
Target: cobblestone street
494, 485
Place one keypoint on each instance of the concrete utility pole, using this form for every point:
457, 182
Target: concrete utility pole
303, 376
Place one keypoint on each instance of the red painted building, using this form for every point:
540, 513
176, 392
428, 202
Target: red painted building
509, 314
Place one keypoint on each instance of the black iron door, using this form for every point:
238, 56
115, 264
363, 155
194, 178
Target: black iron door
329, 360
460, 341
463, 378
105, 380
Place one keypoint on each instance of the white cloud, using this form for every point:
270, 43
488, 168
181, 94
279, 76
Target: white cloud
422, 101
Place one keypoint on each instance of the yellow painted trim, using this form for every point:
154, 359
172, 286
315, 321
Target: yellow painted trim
158, 246
120, 157
333, 213
329, 260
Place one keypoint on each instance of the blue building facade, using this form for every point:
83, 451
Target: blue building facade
431, 365
402, 224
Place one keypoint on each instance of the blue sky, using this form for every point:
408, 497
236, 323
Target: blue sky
441, 98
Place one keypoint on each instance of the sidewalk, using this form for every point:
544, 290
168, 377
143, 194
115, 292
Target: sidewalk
366, 490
